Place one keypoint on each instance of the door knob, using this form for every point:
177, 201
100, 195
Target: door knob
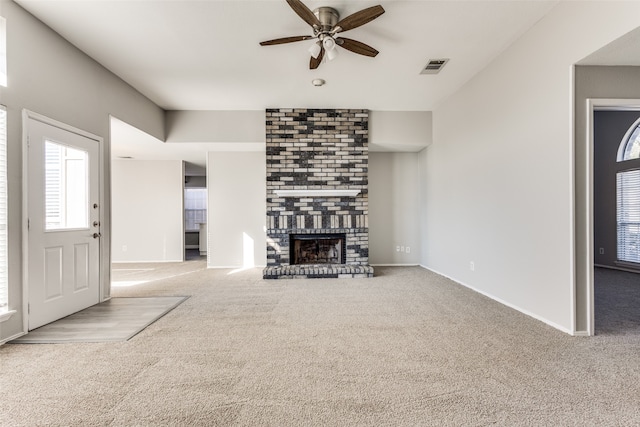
96, 235
96, 223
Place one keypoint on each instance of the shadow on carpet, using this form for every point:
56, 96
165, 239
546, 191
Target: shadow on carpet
118, 319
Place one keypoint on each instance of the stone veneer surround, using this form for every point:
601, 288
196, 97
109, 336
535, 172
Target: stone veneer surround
317, 149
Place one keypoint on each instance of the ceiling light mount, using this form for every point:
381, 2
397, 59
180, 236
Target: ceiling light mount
318, 82
328, 18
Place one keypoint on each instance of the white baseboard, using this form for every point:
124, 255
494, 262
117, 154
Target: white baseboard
618, 268
18, 335
508, 304
581, 334
145, 262
394, 265
234, 267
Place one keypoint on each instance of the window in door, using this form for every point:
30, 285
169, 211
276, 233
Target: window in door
66, 187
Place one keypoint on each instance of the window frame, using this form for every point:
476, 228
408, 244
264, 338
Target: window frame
622, 148
626, 165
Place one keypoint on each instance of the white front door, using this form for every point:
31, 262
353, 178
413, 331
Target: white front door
63, 272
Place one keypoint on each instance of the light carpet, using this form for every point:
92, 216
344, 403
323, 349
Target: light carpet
405, 348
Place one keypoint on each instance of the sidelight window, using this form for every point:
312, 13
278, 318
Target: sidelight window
3, 51
4, 243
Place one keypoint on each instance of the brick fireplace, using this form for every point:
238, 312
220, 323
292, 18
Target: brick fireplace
317, 193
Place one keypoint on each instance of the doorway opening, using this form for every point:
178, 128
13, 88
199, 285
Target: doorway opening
614, 282
195, 219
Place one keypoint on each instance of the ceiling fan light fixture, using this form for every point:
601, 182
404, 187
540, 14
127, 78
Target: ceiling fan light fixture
331, 54
329, 43
315, 49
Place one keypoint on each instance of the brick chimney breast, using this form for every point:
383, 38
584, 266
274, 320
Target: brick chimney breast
317, 149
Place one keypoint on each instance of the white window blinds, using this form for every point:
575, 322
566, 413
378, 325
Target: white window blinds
4, 276
628, 215
195, 208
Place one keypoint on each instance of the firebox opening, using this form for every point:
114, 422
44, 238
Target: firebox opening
317, 248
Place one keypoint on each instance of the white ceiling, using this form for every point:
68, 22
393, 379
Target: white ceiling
204, 54
623, 51
130, 142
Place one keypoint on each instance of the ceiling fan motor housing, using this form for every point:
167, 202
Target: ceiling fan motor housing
328, 18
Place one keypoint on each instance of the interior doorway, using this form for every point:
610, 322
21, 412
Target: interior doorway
612, 281
195, 218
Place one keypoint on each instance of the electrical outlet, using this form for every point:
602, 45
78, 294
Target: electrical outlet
601, 251
401, 248
397, 248
472, 266
124, 248
408, 249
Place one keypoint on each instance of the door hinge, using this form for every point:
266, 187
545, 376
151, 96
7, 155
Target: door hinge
28, 223
28, 308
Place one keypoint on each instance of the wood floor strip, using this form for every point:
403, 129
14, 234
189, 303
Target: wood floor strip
118, 319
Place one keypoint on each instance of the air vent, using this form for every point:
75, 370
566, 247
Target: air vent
434, 66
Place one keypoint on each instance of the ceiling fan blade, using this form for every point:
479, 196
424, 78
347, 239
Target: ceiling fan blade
304, 12
359, 18
315, 62
285, 40
356, 47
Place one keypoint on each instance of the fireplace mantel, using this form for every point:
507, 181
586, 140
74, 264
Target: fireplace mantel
317, 193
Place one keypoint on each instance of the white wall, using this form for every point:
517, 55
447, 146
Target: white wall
147, 210
216, 126
49, 76
244, 130
499, 176
237, 209
400, 130
394, 209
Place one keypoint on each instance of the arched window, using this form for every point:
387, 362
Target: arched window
628, 197
630, 146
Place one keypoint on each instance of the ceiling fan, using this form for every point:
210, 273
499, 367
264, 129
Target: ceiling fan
327, 25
